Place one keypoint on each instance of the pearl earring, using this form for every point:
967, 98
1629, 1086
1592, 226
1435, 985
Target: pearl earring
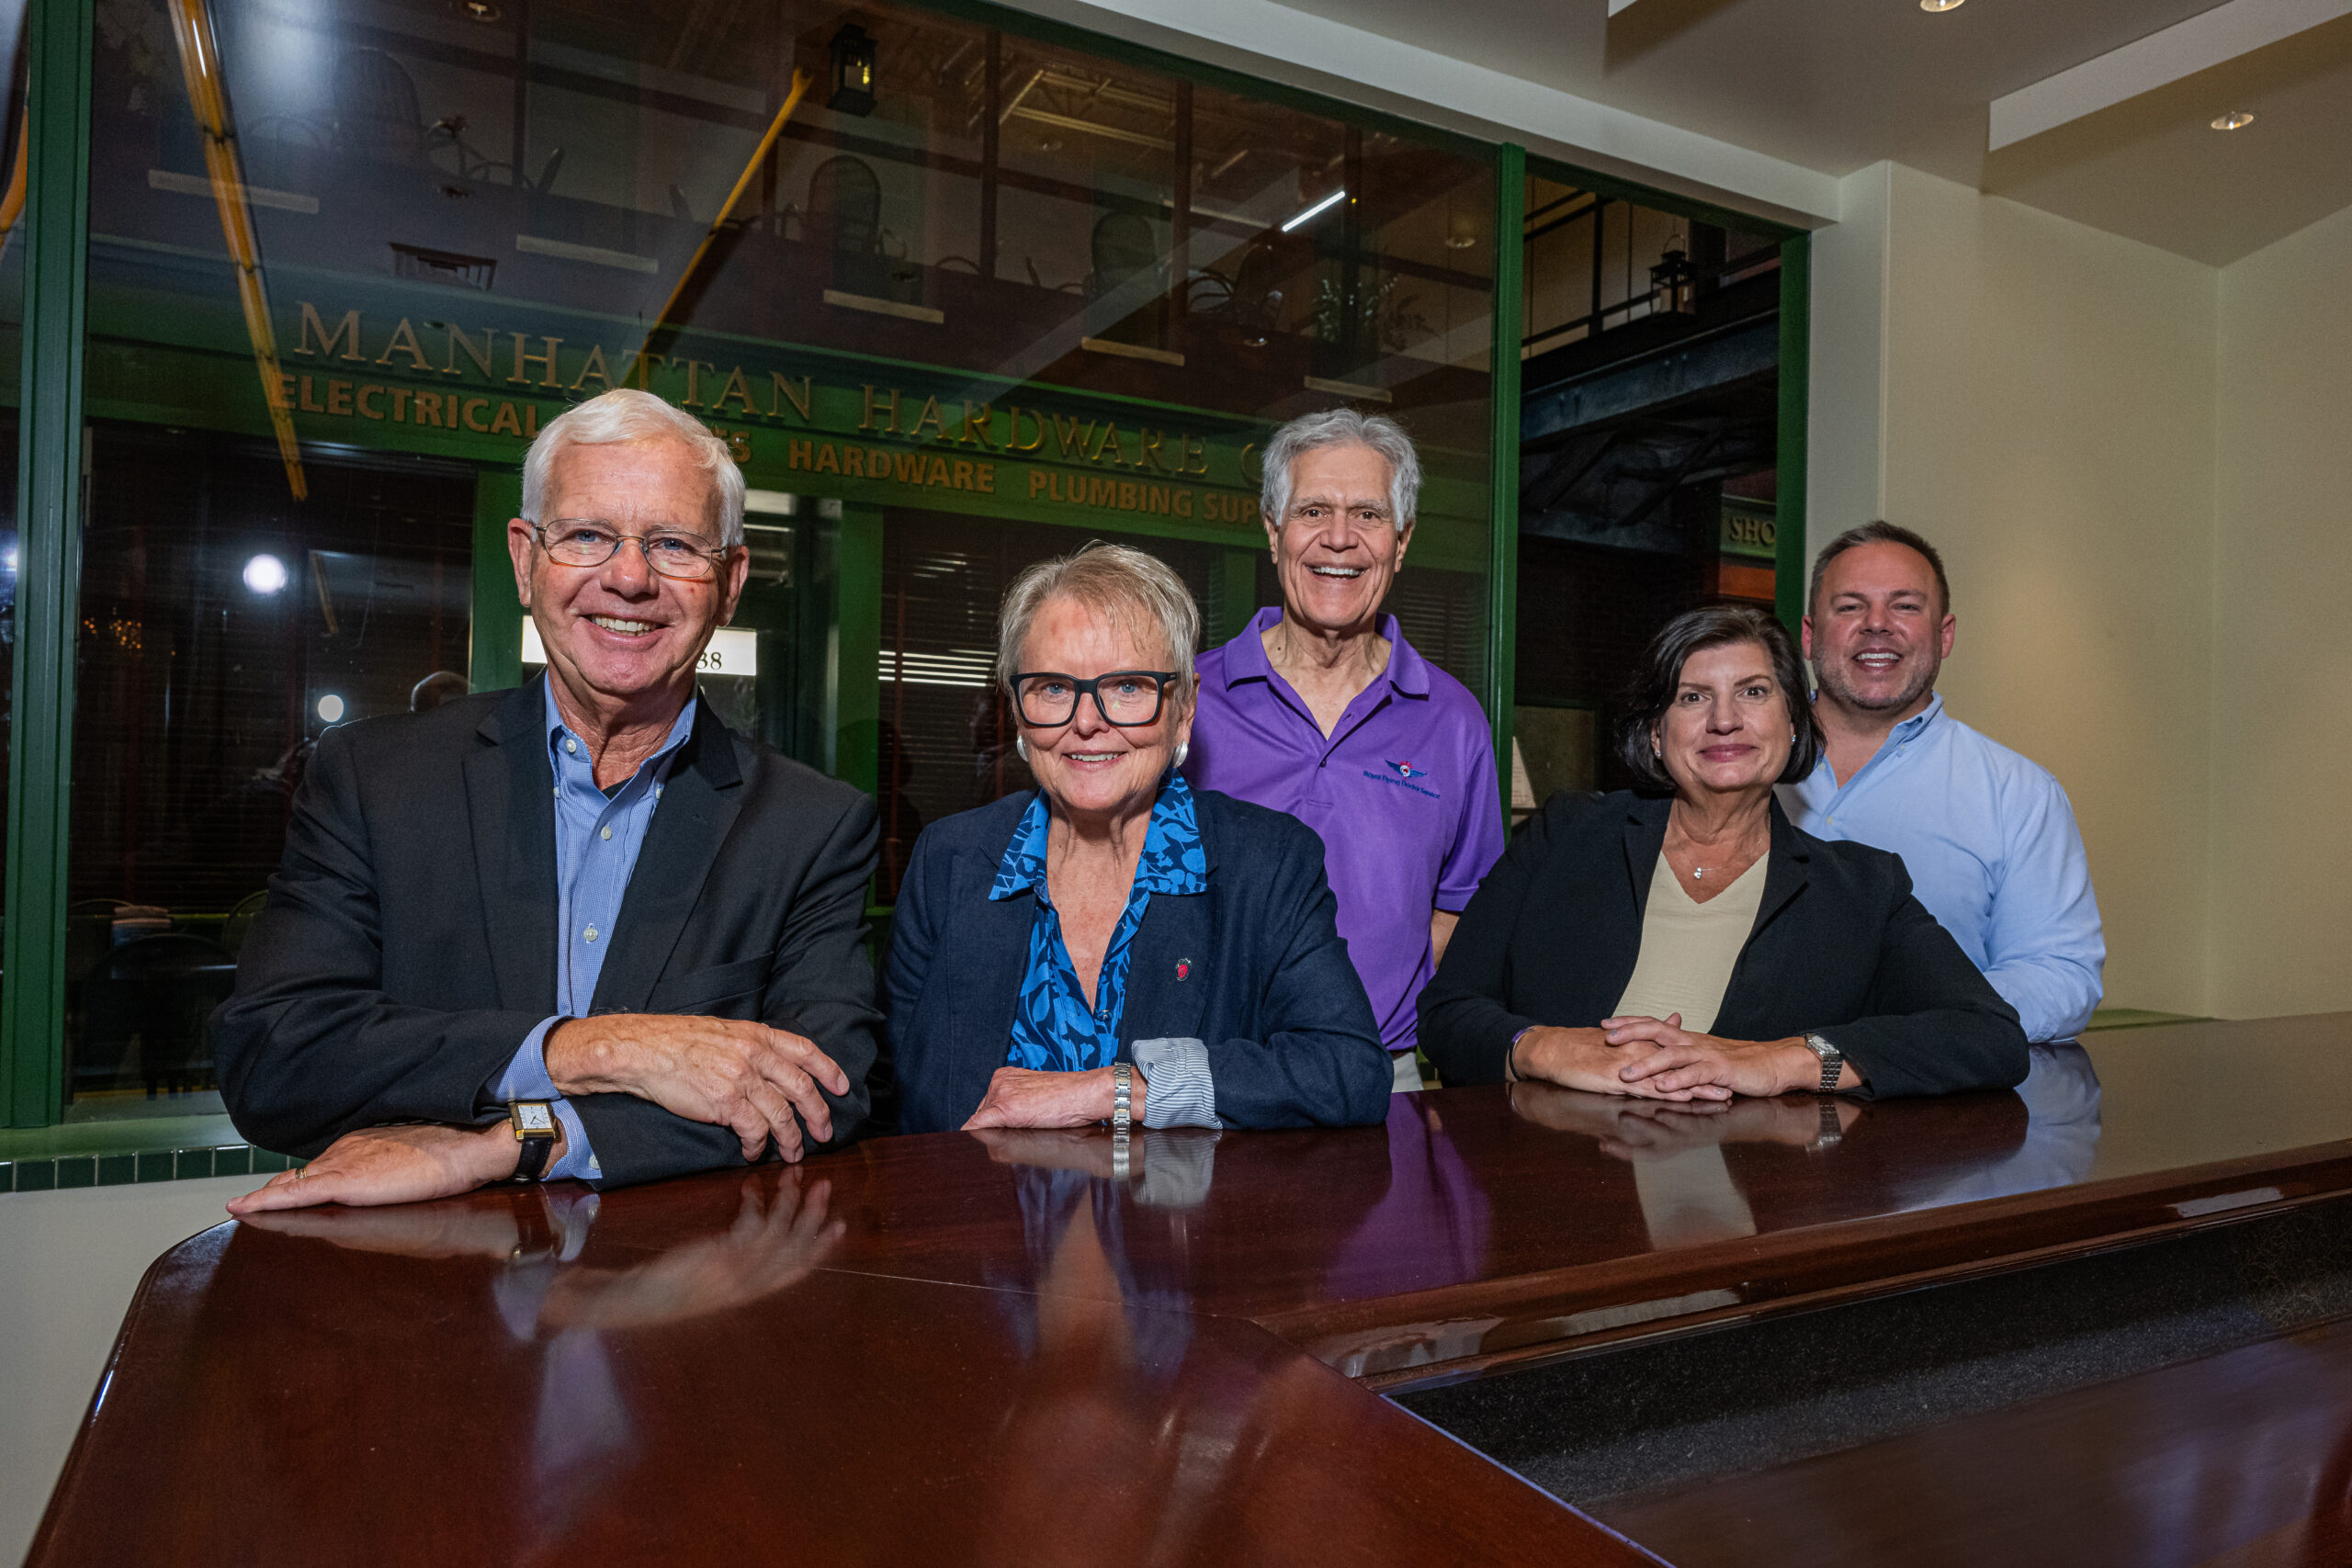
1184, 749
1021, 745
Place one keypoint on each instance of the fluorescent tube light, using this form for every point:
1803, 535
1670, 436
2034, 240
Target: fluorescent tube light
1321, 206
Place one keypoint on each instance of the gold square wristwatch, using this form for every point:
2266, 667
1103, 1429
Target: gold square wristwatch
534, 1124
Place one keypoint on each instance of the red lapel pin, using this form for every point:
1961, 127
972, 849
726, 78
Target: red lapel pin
1183, 968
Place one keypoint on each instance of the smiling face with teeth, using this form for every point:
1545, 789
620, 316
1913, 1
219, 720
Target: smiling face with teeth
1338, 548
622, 640
1090, 768
1879, 632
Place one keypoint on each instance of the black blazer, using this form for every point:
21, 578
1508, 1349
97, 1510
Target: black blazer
1840, 949
1266, 982
409, 943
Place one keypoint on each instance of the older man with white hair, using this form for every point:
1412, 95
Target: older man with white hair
580, 929
1322, 709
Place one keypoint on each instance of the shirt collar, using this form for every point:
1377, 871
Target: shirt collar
1172, 859
1244, 656
679, 728
1920, 720
1902, 734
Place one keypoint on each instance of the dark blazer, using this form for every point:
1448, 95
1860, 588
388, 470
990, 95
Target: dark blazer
409, 944
1840, 949
1267, 985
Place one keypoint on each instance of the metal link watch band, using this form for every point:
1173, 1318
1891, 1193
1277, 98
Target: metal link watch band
1833, 1062
1122, 1093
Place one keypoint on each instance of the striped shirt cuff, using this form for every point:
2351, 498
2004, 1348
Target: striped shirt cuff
1181, 1093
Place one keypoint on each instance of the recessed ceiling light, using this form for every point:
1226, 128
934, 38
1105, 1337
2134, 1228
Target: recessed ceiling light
2236, 120
483, 10
1939, 5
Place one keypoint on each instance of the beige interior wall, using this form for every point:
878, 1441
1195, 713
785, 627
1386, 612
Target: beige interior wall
2044, 414
2282, 905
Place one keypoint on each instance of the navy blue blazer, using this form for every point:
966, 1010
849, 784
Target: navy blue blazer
1266, 983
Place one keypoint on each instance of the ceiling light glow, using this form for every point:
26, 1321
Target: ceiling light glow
331, 708
1939, 5
266, 574
2236, 120
1316, 210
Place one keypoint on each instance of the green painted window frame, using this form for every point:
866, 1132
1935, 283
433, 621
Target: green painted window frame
51, 451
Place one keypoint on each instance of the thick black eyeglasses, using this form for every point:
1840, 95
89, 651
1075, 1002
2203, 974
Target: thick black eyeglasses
1125, 698
576, 541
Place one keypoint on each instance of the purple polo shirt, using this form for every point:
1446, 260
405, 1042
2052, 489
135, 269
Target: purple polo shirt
1402, 794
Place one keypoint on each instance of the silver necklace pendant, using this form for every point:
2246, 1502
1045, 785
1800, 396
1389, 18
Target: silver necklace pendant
1698, 873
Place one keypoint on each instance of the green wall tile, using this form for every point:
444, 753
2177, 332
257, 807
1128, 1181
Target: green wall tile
118, 1170
155, 1167
79, 1172
35, 1175
234, 1161
189, 1164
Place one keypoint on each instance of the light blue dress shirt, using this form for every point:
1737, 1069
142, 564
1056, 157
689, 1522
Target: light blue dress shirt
597, 837
1991, 844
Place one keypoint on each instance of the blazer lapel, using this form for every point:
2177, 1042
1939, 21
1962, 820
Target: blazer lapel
1645, 837
510, 805
1167, 987
699, 801
1789, 869
989, 986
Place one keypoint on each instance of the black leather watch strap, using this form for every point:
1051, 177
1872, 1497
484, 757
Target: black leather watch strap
534, 1157
534, 1125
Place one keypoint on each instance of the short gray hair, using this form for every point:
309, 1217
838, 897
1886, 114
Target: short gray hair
627, 415
1343, 427
1115, 580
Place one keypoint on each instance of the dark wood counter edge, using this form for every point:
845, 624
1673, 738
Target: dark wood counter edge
68, 1476
1528, 1319
1585, 1542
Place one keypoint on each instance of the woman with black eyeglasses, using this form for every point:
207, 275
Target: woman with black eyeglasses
1116, 945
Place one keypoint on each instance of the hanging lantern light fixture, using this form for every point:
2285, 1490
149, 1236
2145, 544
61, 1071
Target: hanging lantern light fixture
1674, 282
852, 70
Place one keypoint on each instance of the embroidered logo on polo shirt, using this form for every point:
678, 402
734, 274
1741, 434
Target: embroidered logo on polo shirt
1402, 774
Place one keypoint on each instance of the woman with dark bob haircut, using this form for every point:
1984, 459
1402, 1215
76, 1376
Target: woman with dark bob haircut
1684, 941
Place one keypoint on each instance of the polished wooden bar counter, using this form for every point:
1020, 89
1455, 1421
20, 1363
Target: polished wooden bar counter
1033, 1347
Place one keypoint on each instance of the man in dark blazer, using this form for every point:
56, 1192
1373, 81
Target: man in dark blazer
579, 929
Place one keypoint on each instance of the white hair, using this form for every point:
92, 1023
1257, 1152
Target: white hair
1116, 580
1343, 427
627, 415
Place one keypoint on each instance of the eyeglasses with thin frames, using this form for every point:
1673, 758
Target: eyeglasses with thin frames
586, 541
1128, 699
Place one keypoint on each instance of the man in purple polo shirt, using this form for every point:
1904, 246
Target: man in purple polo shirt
1322, 709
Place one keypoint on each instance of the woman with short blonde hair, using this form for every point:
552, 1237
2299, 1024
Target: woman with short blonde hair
1116, 944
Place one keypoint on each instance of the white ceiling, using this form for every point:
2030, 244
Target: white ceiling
1834, 85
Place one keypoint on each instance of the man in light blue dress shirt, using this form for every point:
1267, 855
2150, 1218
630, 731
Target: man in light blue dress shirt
1987, 835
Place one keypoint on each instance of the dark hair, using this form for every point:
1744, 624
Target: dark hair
1880, 533
1659, 676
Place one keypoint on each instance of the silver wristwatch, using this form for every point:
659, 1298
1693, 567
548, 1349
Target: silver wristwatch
1121, 1097
1833, 1061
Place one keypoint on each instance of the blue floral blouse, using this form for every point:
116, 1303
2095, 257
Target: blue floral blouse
1052, 1028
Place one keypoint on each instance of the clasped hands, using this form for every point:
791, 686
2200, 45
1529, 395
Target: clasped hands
1659, 1059
761, 1084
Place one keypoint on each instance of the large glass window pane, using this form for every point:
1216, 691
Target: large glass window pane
984, 296
1650, 350
225, 628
